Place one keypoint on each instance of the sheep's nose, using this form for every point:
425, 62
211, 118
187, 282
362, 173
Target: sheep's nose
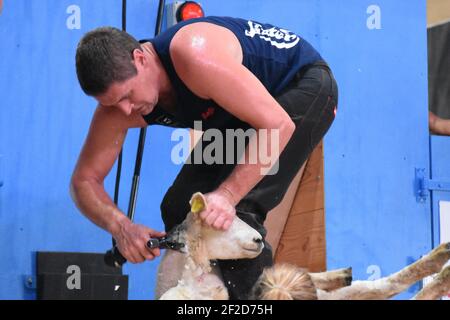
259, 243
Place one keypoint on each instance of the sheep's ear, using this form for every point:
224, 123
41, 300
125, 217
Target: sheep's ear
197, 202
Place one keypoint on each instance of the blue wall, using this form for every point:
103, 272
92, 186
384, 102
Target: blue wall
379, 137
373, 221
44, 118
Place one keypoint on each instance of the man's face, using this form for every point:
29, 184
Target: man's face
138, 94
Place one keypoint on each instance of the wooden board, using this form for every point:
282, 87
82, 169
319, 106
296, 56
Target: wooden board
277, 217
303, 240
296, 227
438, 11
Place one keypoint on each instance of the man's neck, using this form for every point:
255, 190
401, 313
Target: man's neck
167, 94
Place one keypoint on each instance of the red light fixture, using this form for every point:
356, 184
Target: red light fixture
189, 10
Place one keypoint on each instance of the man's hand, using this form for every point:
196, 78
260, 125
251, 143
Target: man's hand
132, 241
438, 125
220, 210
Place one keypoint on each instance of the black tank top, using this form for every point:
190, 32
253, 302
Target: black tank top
274, 55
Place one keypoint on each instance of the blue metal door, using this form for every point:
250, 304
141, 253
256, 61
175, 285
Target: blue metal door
44, 118
374, 222
439, 190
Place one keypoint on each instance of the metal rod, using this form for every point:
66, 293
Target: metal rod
159, 17
124, 15
119, 160
142, 134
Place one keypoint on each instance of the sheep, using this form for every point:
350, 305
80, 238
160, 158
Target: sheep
201, 280
288, 282
192, 273
188, 274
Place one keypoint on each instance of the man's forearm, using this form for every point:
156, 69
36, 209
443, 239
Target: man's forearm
92, 200
246, 176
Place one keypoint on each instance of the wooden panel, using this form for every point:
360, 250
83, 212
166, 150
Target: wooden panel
277, 217
303, 203
303, 240
438, 11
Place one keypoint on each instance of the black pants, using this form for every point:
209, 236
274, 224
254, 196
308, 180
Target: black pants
310, 100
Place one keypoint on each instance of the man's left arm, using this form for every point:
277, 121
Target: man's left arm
212, 71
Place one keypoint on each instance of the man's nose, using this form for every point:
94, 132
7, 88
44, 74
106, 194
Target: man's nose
126, 107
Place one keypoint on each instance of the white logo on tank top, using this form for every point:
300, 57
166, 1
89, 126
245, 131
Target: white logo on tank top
280, 38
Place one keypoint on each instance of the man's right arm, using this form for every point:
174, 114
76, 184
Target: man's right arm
101, 149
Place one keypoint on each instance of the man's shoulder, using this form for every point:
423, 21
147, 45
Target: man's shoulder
194, 37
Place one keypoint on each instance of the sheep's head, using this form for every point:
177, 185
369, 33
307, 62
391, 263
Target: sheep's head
240, 241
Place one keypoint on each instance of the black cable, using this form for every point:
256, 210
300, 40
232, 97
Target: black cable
124, 15
119, 160
159, 17
116, 187
136, 175
118, 173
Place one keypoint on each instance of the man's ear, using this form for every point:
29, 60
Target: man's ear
139, 57
197, 202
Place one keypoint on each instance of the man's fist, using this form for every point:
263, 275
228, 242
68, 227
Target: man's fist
132, 242
219, 212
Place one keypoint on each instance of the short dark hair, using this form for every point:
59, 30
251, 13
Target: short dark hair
104, 56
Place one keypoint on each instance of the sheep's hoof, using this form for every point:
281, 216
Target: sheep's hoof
344, 276
445, 273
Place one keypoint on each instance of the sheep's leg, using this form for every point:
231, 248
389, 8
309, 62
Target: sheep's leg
389, 286
170, 271
332, 280
437, 288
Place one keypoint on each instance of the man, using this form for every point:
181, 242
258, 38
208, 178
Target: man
226, 73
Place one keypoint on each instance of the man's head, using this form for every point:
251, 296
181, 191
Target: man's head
104, 56
115, 69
